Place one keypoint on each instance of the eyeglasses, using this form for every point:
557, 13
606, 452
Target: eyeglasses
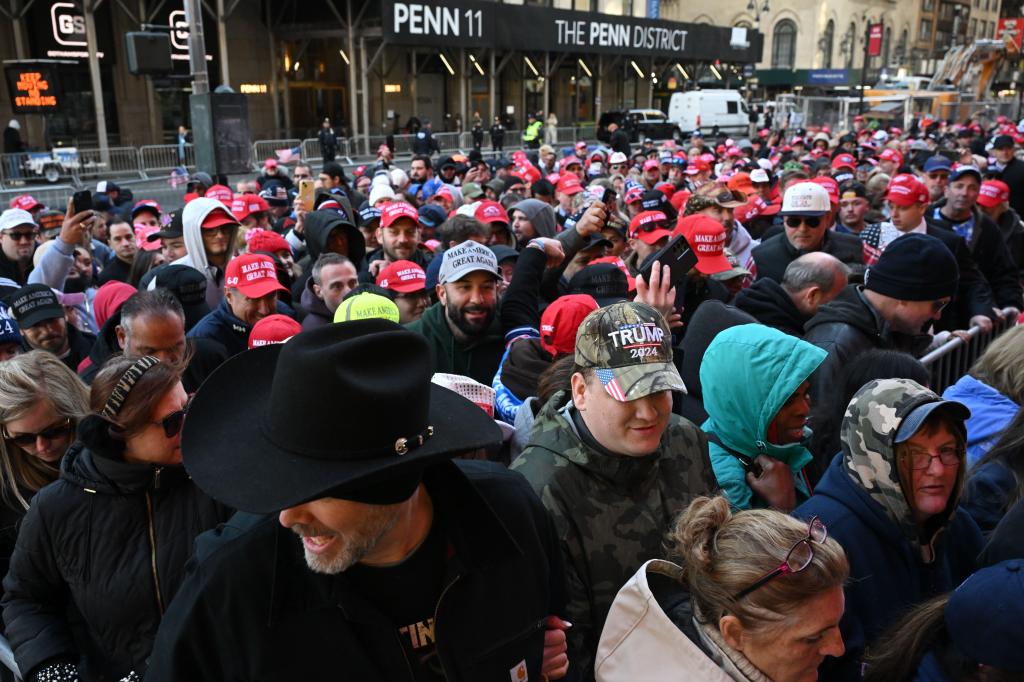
799, 557
21, 236
919, 461
939, 306
28, 440
651, 227
173, 422
795, 221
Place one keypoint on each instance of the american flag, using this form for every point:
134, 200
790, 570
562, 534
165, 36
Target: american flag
611, 384
288, 155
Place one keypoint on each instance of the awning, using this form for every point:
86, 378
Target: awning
886, 108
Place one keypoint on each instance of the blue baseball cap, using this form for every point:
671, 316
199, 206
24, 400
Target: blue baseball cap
368, 214
935, 163
432, 215
913, 421
9, 330
961, 171
984, 614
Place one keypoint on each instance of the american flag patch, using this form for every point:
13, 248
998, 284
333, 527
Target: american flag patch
611, 384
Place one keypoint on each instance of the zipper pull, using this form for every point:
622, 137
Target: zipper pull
761, 447
156, 477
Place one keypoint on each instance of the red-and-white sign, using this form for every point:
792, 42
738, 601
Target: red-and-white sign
1010, 31
874, 40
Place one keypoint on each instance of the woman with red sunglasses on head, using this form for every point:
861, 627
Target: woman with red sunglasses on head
758, 599
103, 550
891, 497
41, 402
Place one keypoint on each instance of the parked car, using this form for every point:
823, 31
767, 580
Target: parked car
52, 165
705, 109
638, 124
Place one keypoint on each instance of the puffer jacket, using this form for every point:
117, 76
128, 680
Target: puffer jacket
991, 413
894, 563
99, 557
611, 512
651, 635
743, 399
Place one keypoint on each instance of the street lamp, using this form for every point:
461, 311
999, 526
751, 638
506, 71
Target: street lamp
753, 8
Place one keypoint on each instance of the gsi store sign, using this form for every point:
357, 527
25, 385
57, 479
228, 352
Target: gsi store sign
67, 32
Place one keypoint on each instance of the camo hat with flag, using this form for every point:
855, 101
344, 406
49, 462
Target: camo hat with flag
629, 345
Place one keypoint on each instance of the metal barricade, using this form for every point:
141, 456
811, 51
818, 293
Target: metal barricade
311, 150
52, 196
160, 159
267, 149
119, 162
954, 358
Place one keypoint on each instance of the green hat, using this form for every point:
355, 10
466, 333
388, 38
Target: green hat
365, 306
471, 191
629, 345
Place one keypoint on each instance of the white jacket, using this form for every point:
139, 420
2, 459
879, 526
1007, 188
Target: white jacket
640, 643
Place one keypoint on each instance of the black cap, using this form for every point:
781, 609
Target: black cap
542, 187
604, 281
35, 303
849, 190
1003, 142
503, 252
915, 267
172, 229
185, 283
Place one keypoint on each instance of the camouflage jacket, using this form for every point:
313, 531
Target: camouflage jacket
611, 513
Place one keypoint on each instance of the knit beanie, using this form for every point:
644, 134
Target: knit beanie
914, 267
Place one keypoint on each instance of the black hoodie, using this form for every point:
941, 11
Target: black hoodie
848, 326
317, 227
100, 555
767, 301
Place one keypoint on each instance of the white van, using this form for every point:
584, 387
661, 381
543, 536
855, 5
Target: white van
704, 109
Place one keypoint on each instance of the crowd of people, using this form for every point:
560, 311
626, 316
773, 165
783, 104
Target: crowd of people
607, 412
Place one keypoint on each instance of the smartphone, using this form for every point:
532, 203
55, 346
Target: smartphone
677, 254
306, 193
82, 201
608, 197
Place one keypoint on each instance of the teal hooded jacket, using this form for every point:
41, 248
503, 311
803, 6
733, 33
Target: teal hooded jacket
748, 373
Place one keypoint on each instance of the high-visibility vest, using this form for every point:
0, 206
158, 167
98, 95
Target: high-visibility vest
532, 131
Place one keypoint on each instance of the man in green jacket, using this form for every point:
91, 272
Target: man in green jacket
463, 328
612, 464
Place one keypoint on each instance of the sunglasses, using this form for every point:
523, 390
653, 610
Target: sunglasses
22, 236
798, 558
651, 227
795, 221
173, 422
28, 440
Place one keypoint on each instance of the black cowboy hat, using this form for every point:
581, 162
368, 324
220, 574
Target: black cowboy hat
337, 409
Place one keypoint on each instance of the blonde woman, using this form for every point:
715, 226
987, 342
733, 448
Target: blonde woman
759, 600
41, 402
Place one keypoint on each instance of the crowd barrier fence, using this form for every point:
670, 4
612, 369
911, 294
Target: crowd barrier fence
954, 358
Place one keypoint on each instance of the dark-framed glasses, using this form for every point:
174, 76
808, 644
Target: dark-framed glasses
28, 440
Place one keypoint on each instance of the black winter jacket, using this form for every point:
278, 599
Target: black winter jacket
774, 253
250, 608
317, 228
767, 301
100, 555
848, 326
990, 253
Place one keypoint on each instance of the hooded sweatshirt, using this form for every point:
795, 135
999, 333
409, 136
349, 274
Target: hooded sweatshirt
478, 358
894, 563
540, 215
192, 218
317, 228
744, 399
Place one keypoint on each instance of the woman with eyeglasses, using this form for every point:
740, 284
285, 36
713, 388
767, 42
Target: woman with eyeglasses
758, 598
102, 550
890, 498
41, 402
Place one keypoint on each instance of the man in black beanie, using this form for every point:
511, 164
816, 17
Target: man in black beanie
904, 292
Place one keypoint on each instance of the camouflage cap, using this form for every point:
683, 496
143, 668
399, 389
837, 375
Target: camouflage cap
630, 347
